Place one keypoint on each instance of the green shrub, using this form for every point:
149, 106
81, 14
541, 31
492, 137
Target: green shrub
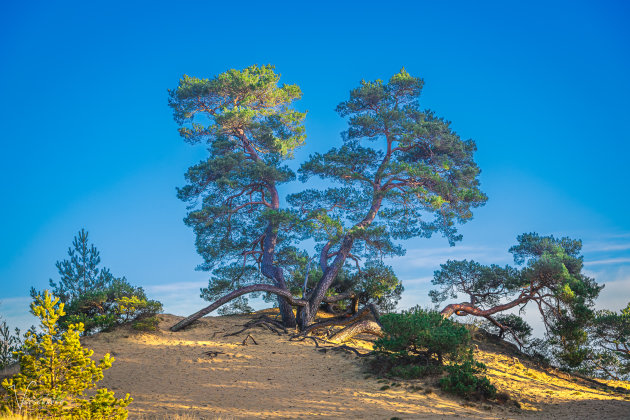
417, 342
422, 334
93, 296
54, 374
465, 379
409, 371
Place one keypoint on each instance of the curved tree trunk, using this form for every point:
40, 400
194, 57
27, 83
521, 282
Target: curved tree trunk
285, 294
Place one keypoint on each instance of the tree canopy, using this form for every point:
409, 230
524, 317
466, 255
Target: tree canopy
400, 172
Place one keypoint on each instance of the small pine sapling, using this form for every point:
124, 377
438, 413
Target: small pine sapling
54, 374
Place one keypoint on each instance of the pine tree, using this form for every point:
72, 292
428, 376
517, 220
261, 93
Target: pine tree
54, 374
93, 296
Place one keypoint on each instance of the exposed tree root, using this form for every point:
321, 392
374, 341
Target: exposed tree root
263, 322
316, 340
344, 320
364, 326
346, 348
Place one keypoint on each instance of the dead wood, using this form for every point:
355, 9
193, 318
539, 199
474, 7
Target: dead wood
365, 326
263, 322
339, 321
249, 336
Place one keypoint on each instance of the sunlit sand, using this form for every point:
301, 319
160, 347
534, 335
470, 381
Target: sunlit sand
171, 374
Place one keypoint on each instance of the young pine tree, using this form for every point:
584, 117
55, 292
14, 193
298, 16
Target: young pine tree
94, 297
54, 374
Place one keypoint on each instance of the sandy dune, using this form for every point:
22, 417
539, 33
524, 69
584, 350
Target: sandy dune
170, 373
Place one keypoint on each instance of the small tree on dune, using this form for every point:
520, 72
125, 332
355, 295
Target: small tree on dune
54, 374
610, 344
401, 172
549, 277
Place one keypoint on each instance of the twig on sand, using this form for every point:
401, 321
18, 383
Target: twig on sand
249, 336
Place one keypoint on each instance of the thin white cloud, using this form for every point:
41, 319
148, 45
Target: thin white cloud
606, 247
621, 260
432, 258
417, 281
175, 287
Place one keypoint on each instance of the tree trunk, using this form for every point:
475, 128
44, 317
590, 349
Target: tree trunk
273, 272
288, 297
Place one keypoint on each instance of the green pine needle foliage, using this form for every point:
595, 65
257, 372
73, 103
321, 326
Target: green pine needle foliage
465, 379
94, 297
56, 373
422, 334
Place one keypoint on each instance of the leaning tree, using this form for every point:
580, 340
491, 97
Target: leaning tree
401, 172
549, 276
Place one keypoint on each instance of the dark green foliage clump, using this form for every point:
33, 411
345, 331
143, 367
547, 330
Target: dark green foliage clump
418, 342
514, 328
427, 335
375, 284
466, 379
94, 297
610, 341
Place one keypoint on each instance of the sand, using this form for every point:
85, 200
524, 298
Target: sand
171, 373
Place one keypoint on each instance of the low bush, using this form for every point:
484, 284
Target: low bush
466, 379
417, 343
424, 335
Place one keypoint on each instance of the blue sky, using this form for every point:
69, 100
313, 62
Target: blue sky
88, 139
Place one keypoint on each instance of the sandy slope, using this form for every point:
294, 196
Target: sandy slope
170, 373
